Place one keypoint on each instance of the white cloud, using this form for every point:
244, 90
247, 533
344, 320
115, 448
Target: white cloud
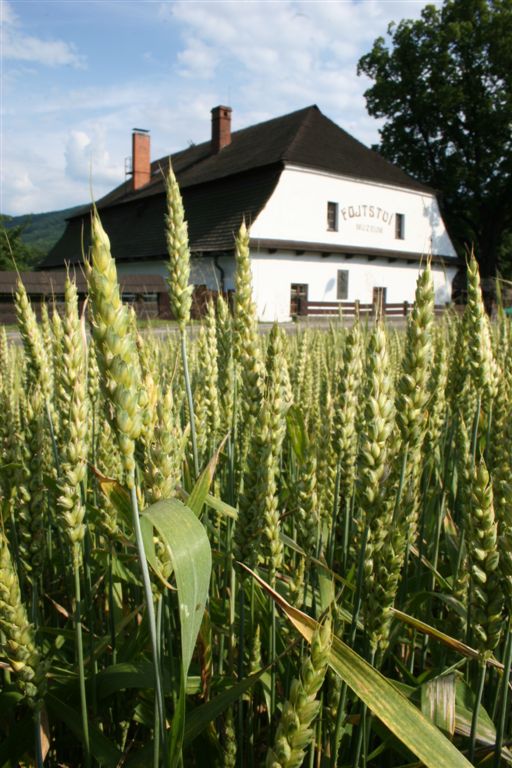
45, 186
58, 169
23, 184
18, 191
51, 53
22, 191
198, 60
17, 46
276, 57
262, 58
87, 159
287, 48
7, 15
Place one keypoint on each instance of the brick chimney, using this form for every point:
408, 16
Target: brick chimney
141, 158
221, 128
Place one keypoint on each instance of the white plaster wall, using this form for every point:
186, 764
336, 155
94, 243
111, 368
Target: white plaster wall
142, 268
297, 210
273, 275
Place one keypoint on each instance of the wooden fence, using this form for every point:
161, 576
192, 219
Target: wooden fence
148, 294
356, 308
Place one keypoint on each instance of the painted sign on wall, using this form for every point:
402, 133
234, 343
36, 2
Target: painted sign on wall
367, 211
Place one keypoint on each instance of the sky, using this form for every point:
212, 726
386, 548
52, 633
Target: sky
78, 75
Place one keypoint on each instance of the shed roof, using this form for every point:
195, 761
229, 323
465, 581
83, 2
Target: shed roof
48, 284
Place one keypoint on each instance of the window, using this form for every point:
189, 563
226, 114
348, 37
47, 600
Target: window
342, 285
332, 217
399, 226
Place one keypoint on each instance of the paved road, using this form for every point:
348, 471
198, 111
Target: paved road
313, 323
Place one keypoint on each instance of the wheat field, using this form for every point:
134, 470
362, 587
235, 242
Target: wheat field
254, 550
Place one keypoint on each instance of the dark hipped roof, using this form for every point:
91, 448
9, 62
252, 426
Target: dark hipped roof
305, 137
220, 189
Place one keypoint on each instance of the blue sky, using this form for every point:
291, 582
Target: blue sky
78, 75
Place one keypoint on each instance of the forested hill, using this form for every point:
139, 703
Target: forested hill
41, 229
32, 235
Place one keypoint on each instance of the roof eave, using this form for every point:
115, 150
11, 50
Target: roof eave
260, 244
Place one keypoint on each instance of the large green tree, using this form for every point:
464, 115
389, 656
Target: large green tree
444, 88
13, 249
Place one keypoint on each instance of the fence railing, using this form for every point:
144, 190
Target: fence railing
148, 294
357, 308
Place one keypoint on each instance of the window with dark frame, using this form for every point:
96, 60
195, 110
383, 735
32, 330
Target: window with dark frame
342, 285
399, 226
332, 217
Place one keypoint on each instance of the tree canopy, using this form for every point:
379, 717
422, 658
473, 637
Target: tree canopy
444, 88
14, 250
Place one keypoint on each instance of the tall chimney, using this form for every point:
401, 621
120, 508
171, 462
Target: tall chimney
221, 128
141, 158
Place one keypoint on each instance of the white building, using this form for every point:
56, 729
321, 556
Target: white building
330, 220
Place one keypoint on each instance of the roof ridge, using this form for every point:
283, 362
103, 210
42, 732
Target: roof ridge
207, 142
275, 119
251, 127
302, 127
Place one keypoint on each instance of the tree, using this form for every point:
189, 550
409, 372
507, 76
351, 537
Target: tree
445, 91
12, 247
